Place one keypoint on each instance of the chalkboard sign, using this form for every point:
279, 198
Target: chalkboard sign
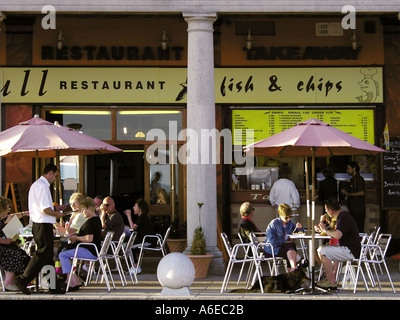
391, 176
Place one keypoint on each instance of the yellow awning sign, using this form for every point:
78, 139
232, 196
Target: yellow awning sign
358, 85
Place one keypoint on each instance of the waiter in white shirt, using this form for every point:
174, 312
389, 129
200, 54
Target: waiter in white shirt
43, 215
284, 190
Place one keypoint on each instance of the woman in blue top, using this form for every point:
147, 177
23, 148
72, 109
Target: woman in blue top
278, 232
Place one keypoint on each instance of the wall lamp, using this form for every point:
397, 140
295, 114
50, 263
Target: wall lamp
60, 40
249, 41
164, 41
354, 41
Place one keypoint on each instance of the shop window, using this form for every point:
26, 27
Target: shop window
95, 123
135, 124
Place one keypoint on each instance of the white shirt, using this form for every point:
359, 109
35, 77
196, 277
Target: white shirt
284, 191
39, 198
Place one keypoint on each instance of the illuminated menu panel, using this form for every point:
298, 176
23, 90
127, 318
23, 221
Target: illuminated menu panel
265, 123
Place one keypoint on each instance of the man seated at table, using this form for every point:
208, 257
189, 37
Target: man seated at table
111, 219
349, 242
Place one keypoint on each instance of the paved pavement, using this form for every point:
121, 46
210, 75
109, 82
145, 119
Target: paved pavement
209, 288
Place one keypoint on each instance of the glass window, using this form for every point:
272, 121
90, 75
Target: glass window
160, 181
95, 123
134, 124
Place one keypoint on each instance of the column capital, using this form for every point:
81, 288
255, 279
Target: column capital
202, 20
200, 16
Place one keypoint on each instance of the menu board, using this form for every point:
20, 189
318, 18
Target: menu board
391, 176
265, 123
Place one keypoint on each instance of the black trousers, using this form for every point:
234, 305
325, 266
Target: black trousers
44, 239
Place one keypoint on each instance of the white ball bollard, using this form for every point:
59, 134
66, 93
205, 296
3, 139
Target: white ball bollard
175, 272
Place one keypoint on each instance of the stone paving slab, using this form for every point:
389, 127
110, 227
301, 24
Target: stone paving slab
209, 288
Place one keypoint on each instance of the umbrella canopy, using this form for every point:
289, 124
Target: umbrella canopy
312, 138
37, 137
326, 141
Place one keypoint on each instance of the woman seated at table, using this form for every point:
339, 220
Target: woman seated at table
13, 260
278, 232
77, 218
90, 232
143, 226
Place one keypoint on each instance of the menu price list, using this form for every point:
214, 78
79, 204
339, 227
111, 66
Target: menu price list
265, 123
391, 176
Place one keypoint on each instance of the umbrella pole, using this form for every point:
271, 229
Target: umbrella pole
58, 181
312, 249
313, 287
307, 195
37, 165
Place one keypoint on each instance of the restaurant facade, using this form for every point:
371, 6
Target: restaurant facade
123, 77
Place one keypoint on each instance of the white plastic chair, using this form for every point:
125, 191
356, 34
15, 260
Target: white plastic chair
246, 255
383, 241
375, 255
273, 261
371, 254
100, 258
128, 256
116, 249
234, 254
160, 246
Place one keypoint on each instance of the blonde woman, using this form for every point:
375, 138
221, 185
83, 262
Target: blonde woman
13, 260
77, 218
89, 232
278, 235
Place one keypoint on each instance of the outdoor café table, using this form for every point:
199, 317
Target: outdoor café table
302, 237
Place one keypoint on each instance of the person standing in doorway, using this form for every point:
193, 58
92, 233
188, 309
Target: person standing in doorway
44, 216
356, 195
328, 188
284, 190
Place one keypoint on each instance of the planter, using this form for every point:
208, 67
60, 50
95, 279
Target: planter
201, 264
176, 245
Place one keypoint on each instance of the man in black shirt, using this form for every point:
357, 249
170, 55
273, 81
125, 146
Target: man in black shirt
328, 188
111, 219
349, 241
356, 195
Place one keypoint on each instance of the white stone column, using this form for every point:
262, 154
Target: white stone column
201, 167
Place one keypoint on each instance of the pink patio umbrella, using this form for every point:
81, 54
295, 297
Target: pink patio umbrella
312, 138
40, 138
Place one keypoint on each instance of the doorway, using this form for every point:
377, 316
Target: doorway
119, 175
